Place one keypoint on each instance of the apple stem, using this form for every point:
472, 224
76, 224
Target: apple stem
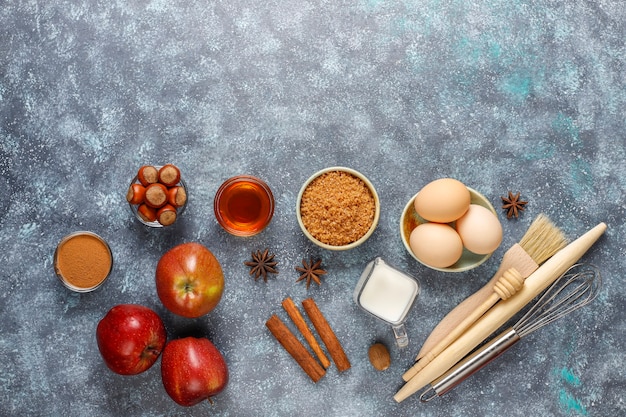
210, 400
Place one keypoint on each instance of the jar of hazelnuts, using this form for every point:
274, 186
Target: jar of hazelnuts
157, 195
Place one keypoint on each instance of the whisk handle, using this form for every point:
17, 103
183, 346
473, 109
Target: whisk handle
471, 364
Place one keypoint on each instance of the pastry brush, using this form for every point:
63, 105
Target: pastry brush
542, 240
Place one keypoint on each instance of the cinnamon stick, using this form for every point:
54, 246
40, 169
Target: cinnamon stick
327, 335
294, 313
296, 349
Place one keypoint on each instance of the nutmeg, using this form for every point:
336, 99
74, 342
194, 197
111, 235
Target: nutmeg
379, 356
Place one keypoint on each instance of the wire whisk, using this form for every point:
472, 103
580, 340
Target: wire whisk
577, 287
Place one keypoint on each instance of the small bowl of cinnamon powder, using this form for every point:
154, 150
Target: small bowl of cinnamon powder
338, 208
83, 261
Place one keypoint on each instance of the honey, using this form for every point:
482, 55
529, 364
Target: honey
244, 205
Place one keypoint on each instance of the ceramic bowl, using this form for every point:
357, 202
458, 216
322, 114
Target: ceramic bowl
410, 220
367, 234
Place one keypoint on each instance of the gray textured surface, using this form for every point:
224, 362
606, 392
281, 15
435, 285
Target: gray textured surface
520, 95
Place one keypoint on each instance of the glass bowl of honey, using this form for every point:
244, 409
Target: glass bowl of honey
244, 205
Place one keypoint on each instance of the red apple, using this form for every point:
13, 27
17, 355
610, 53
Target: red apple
193, 370
130, 338
189, 280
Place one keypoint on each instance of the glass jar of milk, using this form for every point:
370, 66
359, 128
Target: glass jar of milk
387, 294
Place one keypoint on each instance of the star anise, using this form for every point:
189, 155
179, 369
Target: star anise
262, 264
513, 205
311, 271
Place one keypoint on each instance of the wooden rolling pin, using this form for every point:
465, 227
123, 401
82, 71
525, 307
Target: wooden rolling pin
542, 240
507, 286
502, 312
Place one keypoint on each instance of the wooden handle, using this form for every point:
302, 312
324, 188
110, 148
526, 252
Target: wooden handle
502, 312
516, 257
510, 283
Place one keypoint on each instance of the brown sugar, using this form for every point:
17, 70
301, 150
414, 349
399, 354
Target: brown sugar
337, 208
83, 260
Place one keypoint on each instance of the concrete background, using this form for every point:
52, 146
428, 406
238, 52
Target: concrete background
518, 95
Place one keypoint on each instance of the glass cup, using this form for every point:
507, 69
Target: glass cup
244, 205
135, 207
387, 294
83, 261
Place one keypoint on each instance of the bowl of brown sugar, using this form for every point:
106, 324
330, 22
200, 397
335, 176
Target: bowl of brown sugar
338, 208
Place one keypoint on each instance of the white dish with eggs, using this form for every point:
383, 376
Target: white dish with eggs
464, 230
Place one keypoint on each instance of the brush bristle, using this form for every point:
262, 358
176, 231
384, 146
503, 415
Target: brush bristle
543, 239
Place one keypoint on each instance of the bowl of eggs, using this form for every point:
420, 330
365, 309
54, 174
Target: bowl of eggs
450, 227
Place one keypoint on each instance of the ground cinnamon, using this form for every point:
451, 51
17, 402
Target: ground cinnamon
83, 260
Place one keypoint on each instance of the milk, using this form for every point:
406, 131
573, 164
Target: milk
387, 294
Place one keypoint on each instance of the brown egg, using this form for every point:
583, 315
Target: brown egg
480, 230
443, 200
436, 244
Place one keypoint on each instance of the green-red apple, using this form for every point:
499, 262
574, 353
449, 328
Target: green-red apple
189, 280
193, 370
